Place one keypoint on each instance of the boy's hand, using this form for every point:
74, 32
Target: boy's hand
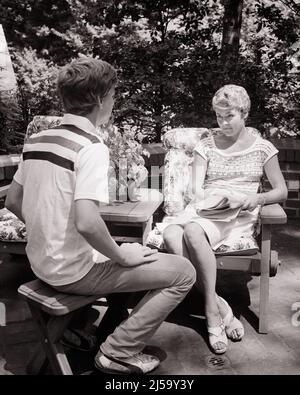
134, 254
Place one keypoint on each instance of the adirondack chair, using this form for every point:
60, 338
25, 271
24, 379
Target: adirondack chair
180, 143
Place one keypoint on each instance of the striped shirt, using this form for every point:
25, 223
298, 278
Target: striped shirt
58, 167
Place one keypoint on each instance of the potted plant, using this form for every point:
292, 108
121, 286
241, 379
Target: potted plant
127, 170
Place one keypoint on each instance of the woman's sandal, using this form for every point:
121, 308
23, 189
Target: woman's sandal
232, 323
217, 334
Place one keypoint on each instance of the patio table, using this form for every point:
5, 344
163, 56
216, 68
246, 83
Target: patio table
127, 222
130, 221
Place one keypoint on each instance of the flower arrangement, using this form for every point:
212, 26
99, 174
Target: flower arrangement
127, 171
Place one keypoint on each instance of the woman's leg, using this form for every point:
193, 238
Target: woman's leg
234, 327
204, 261
174, 241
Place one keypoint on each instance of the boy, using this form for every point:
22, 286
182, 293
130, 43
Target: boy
56, 191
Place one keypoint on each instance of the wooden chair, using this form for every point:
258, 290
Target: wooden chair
264, 263
180, 144
52, 312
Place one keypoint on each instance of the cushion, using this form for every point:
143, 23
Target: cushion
11, 228
42, 122
155, 239
184, 138
177, 191
241, 246
180, 143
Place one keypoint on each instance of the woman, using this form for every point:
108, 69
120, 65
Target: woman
228, 164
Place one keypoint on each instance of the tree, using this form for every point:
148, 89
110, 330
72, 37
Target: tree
171, 56
39, 24
157, 36
232, 24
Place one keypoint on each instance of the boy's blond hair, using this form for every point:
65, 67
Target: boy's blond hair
232, 96
83, 82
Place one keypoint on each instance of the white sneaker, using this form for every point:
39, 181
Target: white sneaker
137, 364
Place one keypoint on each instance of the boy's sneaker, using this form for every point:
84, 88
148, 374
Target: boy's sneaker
137, 364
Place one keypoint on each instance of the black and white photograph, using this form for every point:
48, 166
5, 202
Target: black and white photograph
149, 190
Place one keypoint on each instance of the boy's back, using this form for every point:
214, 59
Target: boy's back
60, 165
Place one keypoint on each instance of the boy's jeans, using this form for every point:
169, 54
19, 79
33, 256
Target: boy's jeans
168, 280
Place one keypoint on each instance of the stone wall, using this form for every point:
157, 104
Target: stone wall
289, 159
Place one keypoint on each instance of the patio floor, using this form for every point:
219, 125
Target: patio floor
181, 340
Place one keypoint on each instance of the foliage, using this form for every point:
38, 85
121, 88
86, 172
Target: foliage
36, 79
168, 56
10, 138
3, 122
36, 94
154, 95
270, 44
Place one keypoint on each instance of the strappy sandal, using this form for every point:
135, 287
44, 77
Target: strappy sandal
232, 324
217, 334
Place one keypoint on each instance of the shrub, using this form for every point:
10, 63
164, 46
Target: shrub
36, 95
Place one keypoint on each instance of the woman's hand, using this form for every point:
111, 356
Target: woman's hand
246, 202
251, 202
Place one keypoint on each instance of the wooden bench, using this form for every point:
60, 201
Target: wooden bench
52, 312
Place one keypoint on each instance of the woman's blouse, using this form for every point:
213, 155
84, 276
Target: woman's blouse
238, 171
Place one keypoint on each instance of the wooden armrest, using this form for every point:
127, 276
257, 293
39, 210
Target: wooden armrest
3, 190
273, 214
